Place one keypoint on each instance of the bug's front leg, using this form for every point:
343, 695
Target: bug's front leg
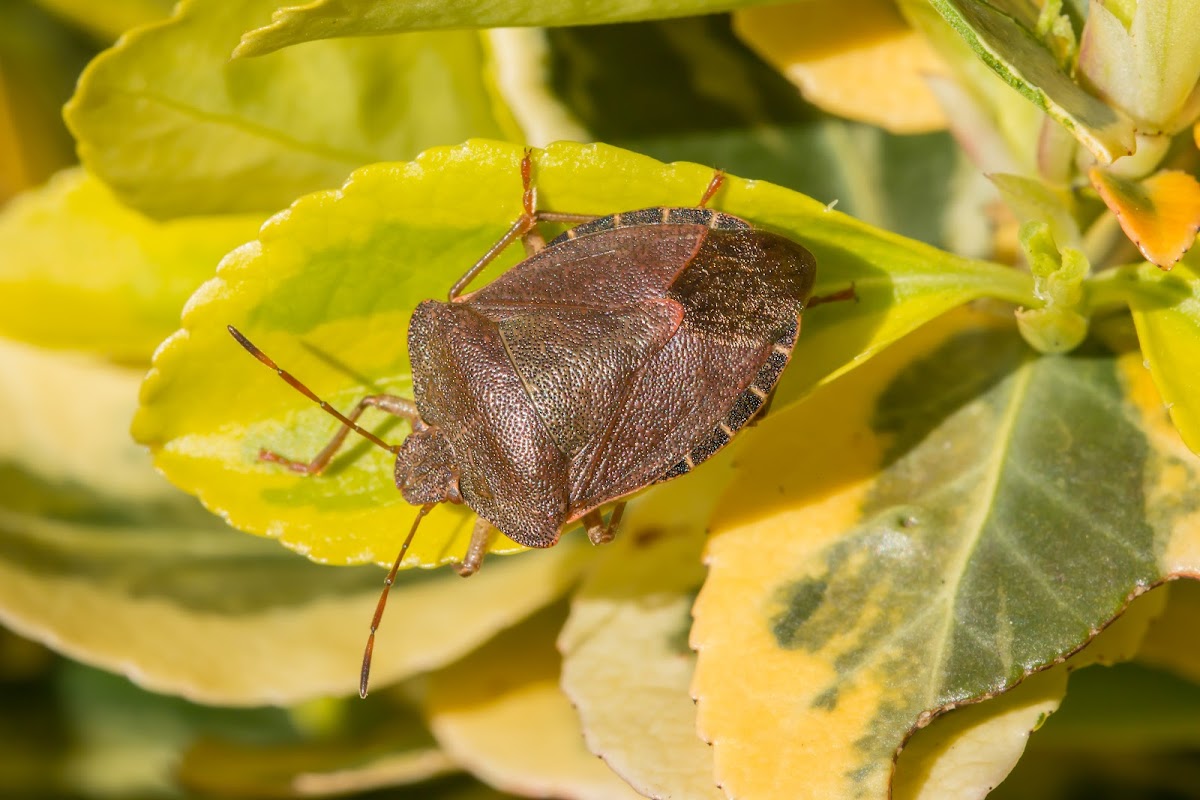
524, 228
598, 532
481, 536
392, 404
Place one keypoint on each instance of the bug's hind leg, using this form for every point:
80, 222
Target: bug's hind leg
481, 536
399, 406
599, 532
524, 228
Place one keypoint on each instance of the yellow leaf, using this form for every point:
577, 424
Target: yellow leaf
103, 560
81, 271
1160, 214
626, 661
858, 59
499, 713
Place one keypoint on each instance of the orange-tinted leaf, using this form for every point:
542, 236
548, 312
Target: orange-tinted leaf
1160, 214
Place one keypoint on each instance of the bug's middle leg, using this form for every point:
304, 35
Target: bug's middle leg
524, 228
392, 404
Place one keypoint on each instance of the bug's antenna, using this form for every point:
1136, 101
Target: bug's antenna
383, 596
304, 390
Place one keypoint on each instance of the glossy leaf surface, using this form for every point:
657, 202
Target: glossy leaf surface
626, 660
327, 290
1022, 501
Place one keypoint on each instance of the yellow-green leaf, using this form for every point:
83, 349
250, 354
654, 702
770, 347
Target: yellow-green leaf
82, 271
964, 515
328, 289
175, 127
1002, 37
499, 713
112, 18
1166, 311
323, 19
104, 561
1147, 64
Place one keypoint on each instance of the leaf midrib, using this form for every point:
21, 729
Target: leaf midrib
351, 157
976, 524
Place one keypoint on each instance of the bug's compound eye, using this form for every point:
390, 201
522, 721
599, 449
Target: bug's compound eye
425, 470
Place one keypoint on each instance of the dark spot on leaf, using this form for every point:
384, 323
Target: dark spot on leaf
826, 700
647, 536
799, 600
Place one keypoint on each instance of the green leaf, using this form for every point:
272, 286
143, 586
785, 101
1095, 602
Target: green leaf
701, 95
102, 560
328, 289
1147, 65
363, 746
1005, 509
175, 128
325, 19
1004, 40
1057, 327
81, 271
120, 741
109, 20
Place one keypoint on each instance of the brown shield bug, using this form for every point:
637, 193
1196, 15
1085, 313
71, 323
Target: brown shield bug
621, 354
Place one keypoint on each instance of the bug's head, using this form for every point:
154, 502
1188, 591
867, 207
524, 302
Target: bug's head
425, 469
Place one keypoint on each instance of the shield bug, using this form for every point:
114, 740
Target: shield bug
623, 353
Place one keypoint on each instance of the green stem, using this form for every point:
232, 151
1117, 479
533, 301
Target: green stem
1006, 283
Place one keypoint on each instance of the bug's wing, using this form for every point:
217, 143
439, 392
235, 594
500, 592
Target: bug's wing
577, 364
675, 402
511, 471
602, 270
741, 298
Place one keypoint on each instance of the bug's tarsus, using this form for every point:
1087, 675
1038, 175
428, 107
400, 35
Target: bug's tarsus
295, 383
365, 675
835, 297
714, 185
598, 531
